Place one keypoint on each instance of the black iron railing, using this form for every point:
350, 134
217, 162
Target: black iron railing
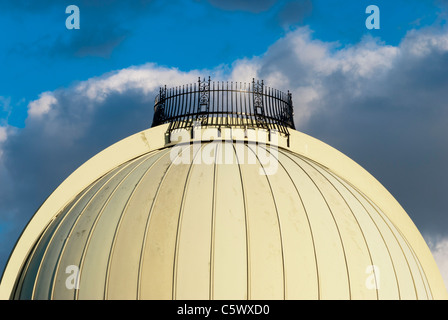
224, 104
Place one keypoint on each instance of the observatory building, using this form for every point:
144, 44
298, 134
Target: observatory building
221, 199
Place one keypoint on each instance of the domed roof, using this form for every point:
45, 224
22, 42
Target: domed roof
224, 213
156, 227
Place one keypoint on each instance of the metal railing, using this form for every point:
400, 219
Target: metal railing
224, 104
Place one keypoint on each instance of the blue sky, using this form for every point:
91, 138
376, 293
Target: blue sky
38, 53
377, 95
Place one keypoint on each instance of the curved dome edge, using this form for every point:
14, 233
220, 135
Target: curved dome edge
101, 163
351, 171
154, 138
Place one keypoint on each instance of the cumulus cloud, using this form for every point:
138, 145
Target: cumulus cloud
65, 128
5, 109
3, 136
439, 249
42, 105
67, 125
384, 106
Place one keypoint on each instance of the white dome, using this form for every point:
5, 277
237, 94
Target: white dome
149, 226
242, 208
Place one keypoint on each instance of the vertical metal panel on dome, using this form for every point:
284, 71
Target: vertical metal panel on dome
50, 264
152, 229
418, 289
355, 252
265, 256
229, 277
27, 278
300, 265
377, 250
330, 256
95, 260
160, 244
124, 259
411, 265
194, 233
83, 230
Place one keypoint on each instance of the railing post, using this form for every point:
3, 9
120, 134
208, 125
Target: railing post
290, 111
204, 100
257, 89
159, 107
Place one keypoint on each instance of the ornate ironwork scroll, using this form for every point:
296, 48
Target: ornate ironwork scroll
204, 100
159, 106
290, 116
257, 88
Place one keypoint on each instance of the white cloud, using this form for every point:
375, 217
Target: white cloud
309, 67
3, 134
3, 137
439, 249
5, 103
337, 92
94, 91
244, 70
421, 43
145, 78
41, 106
297, 62
367, 59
